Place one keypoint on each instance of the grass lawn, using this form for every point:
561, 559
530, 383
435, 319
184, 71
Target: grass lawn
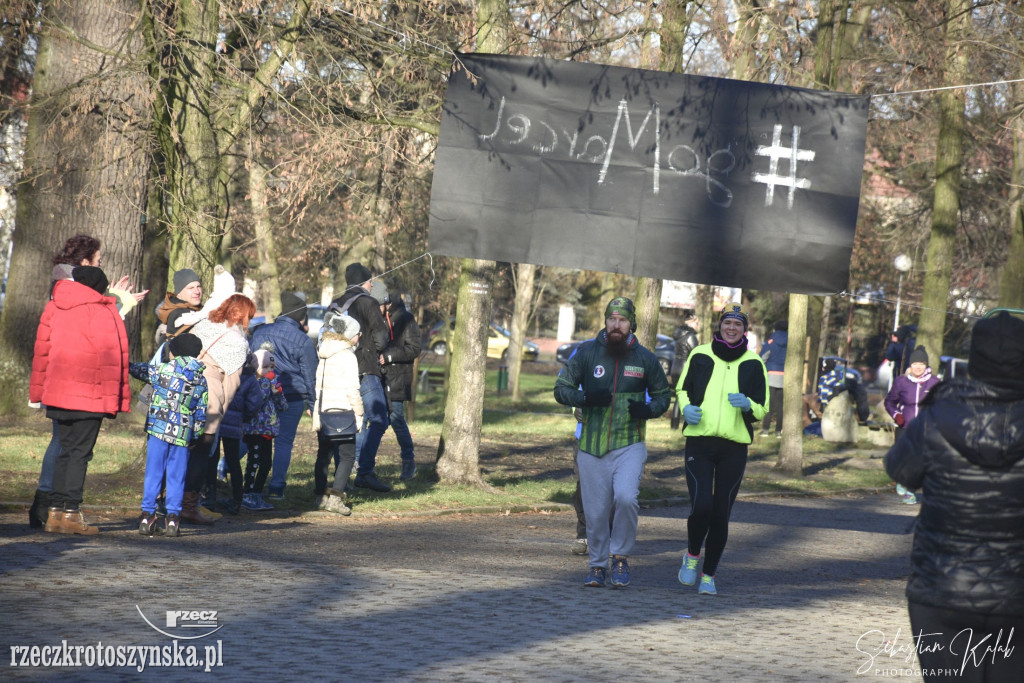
525, 456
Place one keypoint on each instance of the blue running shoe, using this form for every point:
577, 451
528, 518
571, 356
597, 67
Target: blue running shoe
707, 585
596, 577
620, 571
688, 572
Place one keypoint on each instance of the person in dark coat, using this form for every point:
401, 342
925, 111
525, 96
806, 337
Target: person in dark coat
372, 342
295, 355
902, 344
399, 355
965, 450
773, 353
685, 338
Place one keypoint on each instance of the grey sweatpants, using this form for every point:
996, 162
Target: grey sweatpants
611, 484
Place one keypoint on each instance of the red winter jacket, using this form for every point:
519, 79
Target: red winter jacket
81, 353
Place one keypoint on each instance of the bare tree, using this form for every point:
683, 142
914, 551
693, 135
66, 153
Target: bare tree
525, 274
85, 167
459, 448
948, 160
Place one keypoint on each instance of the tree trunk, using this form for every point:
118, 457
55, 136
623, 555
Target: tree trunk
946, 206
705, 312
85, 167
195, 188
525, 274
266, 249
1011, 284
791, 452
154, 270
648, 308
459, 447
458, 452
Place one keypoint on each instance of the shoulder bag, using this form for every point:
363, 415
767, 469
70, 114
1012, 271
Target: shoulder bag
337, 424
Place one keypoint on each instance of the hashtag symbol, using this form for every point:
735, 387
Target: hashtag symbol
775, 152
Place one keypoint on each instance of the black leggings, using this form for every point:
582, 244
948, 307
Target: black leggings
232, 448
949, 647
346, 458
258, 462
714, 470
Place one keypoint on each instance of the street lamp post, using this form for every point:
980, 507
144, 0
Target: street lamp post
902, 264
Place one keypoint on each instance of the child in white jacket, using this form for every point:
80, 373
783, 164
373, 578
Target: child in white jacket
337, 388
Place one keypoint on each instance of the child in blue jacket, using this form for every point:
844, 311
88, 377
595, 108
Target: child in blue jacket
177, 416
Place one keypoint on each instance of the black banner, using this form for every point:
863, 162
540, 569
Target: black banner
677, 177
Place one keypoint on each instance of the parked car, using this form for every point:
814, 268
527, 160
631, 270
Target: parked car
316, 314
498, 341
664, 349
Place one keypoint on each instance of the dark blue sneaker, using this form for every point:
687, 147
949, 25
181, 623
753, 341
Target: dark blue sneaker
620, 571
596, 577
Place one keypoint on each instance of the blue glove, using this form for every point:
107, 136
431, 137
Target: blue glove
639, 410
692, 414
740, 401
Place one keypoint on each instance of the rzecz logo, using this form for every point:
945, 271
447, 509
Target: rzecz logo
599, 371
186, 619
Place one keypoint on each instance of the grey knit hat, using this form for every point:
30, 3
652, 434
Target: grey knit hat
183, 278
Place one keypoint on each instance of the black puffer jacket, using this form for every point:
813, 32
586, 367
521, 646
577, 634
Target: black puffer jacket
401, 352
373, 335
966, 451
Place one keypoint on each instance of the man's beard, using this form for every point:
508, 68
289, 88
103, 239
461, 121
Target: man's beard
617, 343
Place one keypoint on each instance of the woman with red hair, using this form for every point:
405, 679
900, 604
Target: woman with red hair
224, 352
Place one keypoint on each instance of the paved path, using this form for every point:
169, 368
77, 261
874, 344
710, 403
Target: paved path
474, 597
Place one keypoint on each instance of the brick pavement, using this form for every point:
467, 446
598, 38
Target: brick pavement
474, 597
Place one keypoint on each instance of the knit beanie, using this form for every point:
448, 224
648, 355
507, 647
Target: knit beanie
91, 277
997, 351
919, 355
343, 325
735, 310
293, 306
183, 278
185, 344
379, 291
356, 274
623, 307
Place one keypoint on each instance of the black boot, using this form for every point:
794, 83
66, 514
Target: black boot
38, 512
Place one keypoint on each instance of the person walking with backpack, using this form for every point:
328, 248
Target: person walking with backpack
374, 337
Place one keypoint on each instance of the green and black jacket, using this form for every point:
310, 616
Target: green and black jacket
634, 376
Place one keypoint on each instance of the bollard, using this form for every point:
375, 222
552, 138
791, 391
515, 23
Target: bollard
502, 378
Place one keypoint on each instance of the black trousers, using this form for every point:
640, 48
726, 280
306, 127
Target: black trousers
344, 453
714, 470
77, 436
775, 410
200, 452
233, 459
967, 647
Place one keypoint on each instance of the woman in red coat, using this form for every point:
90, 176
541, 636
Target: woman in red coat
80, 372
